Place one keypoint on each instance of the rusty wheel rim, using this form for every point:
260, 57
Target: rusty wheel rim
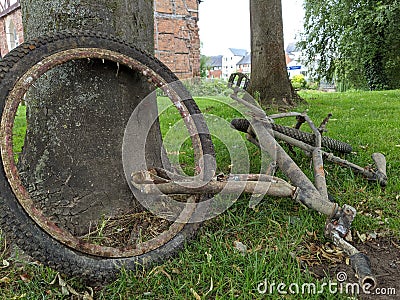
6, 135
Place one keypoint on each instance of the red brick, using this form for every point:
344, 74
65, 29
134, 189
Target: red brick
176, 39
163, 6
165, 25
165, 42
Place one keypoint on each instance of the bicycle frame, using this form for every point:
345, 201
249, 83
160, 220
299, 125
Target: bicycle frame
312, 195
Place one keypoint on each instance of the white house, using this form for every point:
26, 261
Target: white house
239, 60
214, 66
244, 65
294, 63
230, 59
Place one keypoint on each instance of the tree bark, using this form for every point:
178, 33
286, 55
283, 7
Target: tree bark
269, 78
71, 162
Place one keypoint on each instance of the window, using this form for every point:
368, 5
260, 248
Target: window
12, 35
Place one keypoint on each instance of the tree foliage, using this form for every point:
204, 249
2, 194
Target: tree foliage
204, 66
355, 42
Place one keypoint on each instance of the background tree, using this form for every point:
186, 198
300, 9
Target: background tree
204, 66
269, 77
71, 162
355, 42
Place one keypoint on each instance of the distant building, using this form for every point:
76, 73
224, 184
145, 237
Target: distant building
294, 61
233, 60
176, 34
214, 67
244, 65
230, 59
239, 60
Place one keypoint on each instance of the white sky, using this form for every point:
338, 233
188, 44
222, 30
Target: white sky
226, 24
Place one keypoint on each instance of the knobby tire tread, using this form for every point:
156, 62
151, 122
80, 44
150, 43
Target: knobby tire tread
306, 137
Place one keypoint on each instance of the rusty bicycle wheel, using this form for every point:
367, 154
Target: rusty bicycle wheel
28, 225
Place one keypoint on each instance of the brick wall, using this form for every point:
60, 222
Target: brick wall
6, 30
176, 34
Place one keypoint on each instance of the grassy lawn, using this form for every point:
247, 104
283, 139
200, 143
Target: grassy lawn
277, 233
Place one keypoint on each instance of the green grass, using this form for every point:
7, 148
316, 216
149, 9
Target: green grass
217, 111
274, 233
19, 130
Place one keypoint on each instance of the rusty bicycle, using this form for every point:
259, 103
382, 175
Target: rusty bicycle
177, 203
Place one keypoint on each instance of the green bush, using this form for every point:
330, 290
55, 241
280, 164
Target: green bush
207, 87
204, 87
299, 82
312, 85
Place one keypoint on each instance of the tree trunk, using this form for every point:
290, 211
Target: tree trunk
71, 162
269, 78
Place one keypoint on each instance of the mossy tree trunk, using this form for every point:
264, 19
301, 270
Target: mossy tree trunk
71, 162
269, 78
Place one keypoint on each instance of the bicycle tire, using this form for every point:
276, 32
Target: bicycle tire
306, 137
24, 229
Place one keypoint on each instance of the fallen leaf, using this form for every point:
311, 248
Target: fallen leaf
65, 288
240, 247
88, 296
5, 280
196, 296
310, 233
158, 270
6, 264
25, 277
362, 237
